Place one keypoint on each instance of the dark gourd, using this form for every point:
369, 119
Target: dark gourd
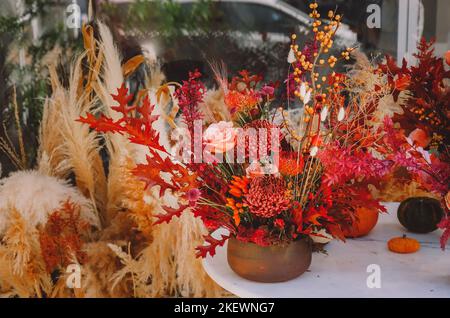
420, 214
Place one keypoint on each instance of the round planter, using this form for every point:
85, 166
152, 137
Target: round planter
269, 264
420, 214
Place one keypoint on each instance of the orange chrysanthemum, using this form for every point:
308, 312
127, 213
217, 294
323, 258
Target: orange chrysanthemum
268, 196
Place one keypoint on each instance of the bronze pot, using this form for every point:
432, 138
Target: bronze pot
269, 264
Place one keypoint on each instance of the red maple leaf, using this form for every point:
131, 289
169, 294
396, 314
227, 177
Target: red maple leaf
137, 126
143, 135
178, 177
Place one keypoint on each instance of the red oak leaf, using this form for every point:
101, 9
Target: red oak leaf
146, 110
123, 99
170, 213
202, 251
102, 124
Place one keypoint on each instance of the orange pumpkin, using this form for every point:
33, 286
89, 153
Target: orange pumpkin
420, 137
365, 221
403, 245
447, 57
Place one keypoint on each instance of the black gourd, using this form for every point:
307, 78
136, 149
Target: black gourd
420, 214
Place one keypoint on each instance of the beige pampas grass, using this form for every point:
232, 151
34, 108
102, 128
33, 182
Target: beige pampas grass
22, 269
112, 77
130, 257
97, 273
34, 196
191, 278
362, 84
214, 108
167, 265
119, 149
51, 158
68, 146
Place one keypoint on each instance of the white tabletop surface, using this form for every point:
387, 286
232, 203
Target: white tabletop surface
343, 272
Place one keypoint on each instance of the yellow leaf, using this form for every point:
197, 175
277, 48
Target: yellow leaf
132, 64
163, 89
88, 37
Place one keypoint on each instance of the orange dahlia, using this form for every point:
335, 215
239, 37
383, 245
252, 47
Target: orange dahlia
290, 165
241, 101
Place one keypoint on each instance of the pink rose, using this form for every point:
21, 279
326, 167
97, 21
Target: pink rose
220, 137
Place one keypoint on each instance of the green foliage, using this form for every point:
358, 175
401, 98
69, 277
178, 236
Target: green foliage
31, 77
165, 17
10, 25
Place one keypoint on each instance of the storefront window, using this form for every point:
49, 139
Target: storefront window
255, 34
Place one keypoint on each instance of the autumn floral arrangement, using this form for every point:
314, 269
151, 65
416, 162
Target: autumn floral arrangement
271, 171
263, 179
423, 93
78, 226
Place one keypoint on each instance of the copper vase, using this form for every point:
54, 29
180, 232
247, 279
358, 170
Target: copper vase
269, 264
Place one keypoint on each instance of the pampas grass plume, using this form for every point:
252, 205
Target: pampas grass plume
34, 196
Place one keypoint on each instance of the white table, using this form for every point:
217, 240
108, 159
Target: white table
343, 271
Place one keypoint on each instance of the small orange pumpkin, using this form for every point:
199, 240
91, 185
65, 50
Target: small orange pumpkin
403, 245
366, 219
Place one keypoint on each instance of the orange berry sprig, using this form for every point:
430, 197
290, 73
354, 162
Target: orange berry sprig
318, 86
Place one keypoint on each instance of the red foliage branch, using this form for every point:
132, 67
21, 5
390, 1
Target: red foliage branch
189, 96
202, 251
428, 101
62, 237
136, 123
445, 225
427, 169
342, 164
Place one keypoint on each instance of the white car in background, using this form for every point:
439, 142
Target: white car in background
253, 13
250, 25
